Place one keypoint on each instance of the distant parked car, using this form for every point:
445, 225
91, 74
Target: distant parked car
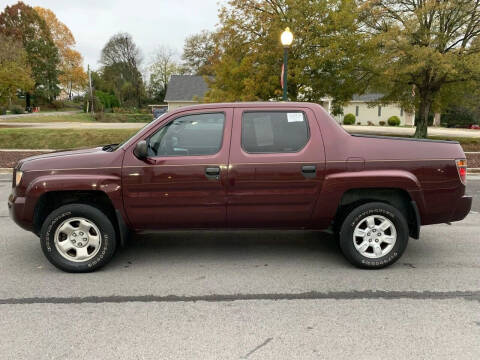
158, 112
475, 126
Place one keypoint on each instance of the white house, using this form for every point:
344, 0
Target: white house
366, 111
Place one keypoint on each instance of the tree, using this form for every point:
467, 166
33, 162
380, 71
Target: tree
21, 22
60, 33
72, 76
163, 66
323, 59
121, 59
15, 73
198, 53
428, 50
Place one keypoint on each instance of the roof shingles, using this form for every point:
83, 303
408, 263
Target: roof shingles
186, 88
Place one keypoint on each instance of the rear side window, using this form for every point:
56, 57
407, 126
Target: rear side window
199, 134
274, 131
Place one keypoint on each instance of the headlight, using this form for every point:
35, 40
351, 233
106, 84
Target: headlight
18, 177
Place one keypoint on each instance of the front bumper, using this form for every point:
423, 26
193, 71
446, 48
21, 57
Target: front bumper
462, 208
16, 209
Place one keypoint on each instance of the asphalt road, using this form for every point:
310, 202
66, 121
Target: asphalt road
244, 295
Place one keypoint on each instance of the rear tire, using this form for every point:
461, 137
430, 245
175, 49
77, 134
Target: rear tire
78, 238
374, 235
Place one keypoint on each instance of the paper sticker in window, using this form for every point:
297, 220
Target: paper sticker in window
295, 117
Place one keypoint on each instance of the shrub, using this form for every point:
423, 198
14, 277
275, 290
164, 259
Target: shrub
3, 110
71, 104
382, 123
130, 110
99, 116
57, 104
108, 100
97, 104
369, 123
393, 121
16, 109
359, 123
349, 119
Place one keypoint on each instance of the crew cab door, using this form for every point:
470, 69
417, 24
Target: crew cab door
276, 171
182, 183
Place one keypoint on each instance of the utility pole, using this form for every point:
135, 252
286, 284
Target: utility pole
91, 91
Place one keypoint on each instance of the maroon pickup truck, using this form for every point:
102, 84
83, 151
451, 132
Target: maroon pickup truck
237, 166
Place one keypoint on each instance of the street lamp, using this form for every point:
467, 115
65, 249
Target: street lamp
287, 39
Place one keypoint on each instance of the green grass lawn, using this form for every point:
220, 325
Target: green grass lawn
468, 144
14, 138
82, 117
115, 117
79, 117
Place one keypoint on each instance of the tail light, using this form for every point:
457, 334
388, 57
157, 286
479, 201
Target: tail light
462, 169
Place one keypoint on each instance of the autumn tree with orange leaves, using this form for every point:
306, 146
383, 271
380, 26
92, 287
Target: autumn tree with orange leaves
72, 77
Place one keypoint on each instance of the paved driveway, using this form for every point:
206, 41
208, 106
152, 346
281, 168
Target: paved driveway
244, 295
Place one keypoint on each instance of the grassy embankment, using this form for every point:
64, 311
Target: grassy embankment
22, 138
81, 117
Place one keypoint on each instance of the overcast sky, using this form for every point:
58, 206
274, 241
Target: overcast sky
152, 23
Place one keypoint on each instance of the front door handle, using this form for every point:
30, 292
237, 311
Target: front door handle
309, 171
212, 172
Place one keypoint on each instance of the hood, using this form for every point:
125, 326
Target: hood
59, 153
90, 158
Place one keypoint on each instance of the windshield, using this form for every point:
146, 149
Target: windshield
147, 126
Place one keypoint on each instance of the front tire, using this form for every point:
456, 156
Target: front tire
374, 235
78, 238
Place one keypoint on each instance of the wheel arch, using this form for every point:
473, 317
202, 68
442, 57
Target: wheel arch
52, 200
396, 197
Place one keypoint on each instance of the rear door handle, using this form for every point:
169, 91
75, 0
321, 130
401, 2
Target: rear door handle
212, 172
309, 171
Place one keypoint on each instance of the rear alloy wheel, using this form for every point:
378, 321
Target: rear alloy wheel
374, 235
78, 238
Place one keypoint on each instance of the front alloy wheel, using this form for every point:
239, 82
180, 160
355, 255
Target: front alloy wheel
78, 238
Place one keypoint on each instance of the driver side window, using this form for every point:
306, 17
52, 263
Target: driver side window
198, 134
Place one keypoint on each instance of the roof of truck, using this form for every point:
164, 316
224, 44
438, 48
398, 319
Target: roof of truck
253, 104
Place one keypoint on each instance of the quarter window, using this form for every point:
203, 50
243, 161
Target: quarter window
274, 132
199, 134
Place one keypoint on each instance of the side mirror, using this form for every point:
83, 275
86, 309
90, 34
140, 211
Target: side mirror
141, 150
